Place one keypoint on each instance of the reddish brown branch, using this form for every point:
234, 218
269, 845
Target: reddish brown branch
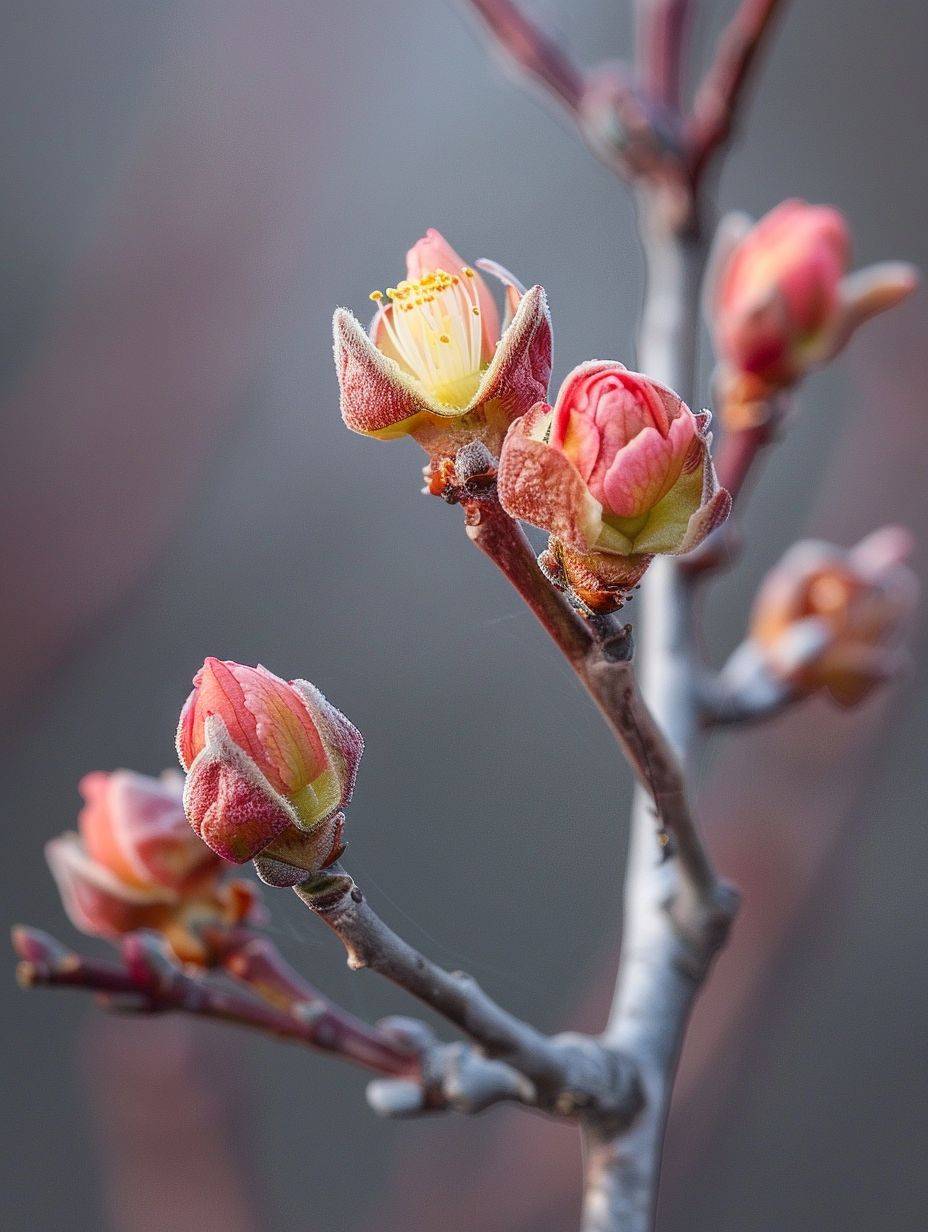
660, 41
610, 680
538, 55
152, 982
718, 98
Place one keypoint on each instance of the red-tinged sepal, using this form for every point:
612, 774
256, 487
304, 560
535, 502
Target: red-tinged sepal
343, 743
597, 582
378, 398
229, 802
296, 856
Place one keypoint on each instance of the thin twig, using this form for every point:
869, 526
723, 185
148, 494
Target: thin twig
718, 99
150, 981
255, 962
540, 57
610, 682
567, 1073
660, 41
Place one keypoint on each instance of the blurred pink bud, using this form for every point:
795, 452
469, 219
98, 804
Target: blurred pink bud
827, 618
436, 365
135, 826
269, 764
780, 300
617, 471
137, 864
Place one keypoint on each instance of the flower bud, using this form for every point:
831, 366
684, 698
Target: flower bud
137, 864
617, 471
436, 365
269, 764
781, 302
135, 826
831, 619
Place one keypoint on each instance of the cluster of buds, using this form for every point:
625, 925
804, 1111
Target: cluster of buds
617, 471
135, 863
270, 765
781, 302
436, 364
831, 619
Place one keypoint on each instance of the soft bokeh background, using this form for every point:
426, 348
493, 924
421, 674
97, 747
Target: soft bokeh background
191, 186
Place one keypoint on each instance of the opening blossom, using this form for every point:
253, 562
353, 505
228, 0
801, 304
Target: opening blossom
618, 470
137, 864
781, 301
269, 764
436, 364
827, 618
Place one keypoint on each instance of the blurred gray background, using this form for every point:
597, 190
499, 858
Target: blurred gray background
191, 187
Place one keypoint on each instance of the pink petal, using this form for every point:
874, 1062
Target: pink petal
433, 252
96, 901
150, 825
647, 467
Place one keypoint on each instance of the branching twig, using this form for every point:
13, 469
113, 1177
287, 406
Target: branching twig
567, 1073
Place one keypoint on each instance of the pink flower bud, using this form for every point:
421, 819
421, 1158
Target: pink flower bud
436, 365
137, 864
135, 826
831, 619
781, 302
617, 471
269, 764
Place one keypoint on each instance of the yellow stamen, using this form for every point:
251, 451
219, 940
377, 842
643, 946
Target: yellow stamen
433, 327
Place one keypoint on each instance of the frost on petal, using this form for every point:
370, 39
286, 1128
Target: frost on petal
343, 742
262, 714
229, 802
216, 690
377, 399
542, 486
295, 856
520, 369
709, 517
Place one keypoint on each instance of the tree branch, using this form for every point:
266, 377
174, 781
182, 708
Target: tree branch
660, 41
744, 691
719, 96
609, 680
540, 57
567, 1073
152, 983
666, 952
